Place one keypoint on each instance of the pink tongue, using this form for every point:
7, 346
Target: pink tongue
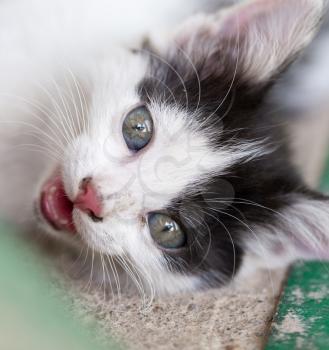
55, 205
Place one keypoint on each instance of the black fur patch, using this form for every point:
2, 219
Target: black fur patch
218, 218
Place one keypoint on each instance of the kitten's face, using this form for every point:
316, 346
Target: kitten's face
166, 166
117, 185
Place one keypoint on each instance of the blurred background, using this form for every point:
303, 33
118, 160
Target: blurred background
39, 312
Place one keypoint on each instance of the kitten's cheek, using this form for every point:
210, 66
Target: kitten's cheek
83, 225
79, 223
93, 236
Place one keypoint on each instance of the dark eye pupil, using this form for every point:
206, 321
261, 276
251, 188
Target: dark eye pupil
140, 127
168, 227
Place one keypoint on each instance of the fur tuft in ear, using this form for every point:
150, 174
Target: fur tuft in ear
272, 32
259, 37
300, 231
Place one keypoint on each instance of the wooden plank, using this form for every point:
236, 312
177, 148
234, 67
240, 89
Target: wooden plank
302, 319
324, 185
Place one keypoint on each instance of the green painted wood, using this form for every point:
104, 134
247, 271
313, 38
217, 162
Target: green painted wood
302, 319
324, 183
31, 316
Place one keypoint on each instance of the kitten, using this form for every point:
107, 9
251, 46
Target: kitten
166, 156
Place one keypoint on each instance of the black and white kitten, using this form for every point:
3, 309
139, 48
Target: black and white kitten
166, 156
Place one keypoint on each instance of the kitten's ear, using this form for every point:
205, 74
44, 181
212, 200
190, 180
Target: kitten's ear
298, 231
258, 37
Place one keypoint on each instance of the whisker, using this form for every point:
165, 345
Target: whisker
257, 240
108, 275
161, 59
81, 96
36, 148
232, 242
196, 74
115, 274
34, 127
65, 121
103, 283
232, 82
77, 113
45, 111
135, 278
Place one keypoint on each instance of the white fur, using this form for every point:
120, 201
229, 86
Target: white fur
300, 232
74, 101
263, 34
179, 158
37, 39
69, 83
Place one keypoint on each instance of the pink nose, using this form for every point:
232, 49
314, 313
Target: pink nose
88, 200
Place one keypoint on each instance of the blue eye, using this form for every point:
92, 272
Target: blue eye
137, 128
165, 231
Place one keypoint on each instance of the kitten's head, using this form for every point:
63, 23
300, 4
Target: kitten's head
177, 168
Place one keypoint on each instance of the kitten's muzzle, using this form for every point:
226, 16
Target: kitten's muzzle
57, 208
88, 200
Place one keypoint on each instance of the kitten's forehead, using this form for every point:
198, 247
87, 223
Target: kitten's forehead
113, 81
191, 145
